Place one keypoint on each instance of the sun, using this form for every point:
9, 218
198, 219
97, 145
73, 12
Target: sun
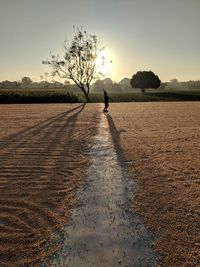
103, 63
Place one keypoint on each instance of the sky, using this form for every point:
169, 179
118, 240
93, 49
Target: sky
158, 35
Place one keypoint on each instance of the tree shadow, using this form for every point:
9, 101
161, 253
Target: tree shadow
26, 133
39, 142
40, 170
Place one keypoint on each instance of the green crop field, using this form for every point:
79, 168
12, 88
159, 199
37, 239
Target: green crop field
64, 96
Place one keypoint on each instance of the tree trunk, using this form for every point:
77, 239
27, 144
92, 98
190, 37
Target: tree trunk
87, 93
86, 96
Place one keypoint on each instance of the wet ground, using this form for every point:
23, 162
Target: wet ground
103, 231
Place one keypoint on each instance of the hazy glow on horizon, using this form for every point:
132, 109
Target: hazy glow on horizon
158, 35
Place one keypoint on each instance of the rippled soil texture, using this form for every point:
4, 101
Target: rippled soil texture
162, 150
43, 155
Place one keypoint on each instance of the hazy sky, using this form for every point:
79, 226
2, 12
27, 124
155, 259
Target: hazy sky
158, 35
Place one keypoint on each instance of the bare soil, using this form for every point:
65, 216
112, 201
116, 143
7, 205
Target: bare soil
160, 144
44, 155
103, 230
43, 158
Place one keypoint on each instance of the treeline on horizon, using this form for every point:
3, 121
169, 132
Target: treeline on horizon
107, 83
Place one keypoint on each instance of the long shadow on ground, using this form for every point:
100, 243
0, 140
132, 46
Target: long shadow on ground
146, 238
31, 131
102, 231
115, 134
40, 168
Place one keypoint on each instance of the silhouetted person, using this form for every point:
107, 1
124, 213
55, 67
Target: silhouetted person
106, 101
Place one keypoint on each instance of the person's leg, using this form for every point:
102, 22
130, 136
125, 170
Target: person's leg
106, 107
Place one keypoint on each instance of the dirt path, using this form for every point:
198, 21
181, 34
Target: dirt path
102, 232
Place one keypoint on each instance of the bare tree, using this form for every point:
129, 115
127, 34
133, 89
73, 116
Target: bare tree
79, 63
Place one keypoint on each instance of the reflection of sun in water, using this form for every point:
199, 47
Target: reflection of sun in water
103, 63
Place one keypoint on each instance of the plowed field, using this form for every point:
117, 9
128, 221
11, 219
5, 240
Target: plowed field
161, 147
42, 162
44, 155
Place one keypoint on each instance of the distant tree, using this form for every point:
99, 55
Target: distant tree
26, 81
108, 85
79, 63
15, 84
44, 84
145, 79
173, 81
56, 84
193, 85
162, 86
66, 83
9, 85
125, 84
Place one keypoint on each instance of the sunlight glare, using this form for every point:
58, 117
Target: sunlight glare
103, 63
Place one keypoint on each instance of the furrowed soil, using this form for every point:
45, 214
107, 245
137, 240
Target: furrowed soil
160, 145
43, 158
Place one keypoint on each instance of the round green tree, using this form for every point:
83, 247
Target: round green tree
145, 79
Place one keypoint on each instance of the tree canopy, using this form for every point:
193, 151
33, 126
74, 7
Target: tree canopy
26, 80
79, 61
145, 79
